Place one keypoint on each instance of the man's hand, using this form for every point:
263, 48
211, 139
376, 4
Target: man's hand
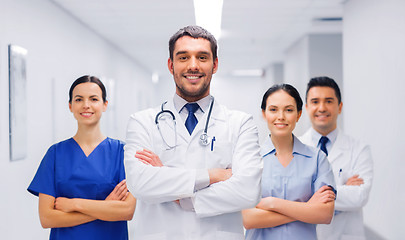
323, 195
219, 174
354, 181
149, 158
120, 192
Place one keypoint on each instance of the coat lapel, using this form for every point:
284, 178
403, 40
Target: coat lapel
216, 115
180, 127
338, 148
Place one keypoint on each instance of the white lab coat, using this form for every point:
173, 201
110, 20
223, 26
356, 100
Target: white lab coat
348, 157
216, 213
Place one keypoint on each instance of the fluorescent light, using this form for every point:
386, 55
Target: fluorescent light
18, 49
155, 77
248, 73
208, 14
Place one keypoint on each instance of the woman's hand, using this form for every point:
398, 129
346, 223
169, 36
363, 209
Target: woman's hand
267, 203
323, 195
120, 192
149, 158
64, 204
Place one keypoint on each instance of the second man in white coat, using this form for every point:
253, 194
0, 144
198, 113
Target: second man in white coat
350, 159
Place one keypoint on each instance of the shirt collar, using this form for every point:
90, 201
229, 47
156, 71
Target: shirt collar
179, 103
298, 148
331, 136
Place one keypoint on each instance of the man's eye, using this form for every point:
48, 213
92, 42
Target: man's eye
94, 99
272, 109
78, 100
289, 110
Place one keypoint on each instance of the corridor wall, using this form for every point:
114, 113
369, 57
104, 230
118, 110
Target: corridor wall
374, 84
60, 49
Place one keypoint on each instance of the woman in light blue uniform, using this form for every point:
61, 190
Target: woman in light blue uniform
81, 181
297, 181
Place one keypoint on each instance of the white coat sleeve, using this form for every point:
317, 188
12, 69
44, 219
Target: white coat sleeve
352, 198
152, 184
243, 189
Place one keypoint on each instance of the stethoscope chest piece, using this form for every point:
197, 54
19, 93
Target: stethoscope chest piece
204, 139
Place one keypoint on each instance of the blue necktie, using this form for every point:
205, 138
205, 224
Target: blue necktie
191, 120
323, 142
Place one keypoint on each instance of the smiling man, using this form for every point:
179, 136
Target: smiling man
192, 163
350, 159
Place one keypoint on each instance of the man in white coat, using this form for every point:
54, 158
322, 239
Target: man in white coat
350, 159
192, 164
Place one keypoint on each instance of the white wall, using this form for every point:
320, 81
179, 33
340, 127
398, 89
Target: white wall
243, 94
296, 64
374, 84
296, 73
60, 49
325, 56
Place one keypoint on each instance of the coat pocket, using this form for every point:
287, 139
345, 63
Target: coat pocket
219, 155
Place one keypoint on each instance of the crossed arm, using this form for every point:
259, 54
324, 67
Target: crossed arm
215, 174
156, 185
64, 212
354, 180
353, 195
272, 212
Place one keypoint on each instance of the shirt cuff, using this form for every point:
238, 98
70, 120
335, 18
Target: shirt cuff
202, 179
334, 190
187, 204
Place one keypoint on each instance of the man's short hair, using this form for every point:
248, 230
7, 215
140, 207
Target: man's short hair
324, 82
194, 32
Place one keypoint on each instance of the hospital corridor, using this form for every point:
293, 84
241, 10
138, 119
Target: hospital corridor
45, 45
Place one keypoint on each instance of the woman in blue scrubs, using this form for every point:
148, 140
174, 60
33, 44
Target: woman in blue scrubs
81, 181
297, 180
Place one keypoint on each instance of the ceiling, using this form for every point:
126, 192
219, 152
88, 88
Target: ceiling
255, 33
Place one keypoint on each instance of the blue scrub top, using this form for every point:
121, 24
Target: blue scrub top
65, 171
307, 172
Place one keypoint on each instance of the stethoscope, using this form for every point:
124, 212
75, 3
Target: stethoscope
204, 138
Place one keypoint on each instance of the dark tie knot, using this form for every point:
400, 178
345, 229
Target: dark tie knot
324, 140
192, 107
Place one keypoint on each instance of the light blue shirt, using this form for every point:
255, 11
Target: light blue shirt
307, 172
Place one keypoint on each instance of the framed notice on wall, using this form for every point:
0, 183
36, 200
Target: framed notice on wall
17, 102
